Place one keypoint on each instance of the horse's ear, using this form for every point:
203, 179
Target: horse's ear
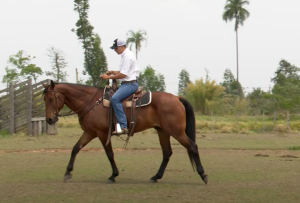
44, 85
52, 85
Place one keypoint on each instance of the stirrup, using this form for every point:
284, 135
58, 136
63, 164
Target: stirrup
123, 131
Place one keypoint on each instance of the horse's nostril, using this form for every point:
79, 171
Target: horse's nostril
50, 120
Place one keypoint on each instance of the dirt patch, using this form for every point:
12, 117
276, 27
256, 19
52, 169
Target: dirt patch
288, 156
261, 155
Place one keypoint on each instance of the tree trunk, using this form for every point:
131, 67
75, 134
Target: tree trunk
237, 56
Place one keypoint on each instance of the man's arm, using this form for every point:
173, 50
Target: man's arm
112, 75
110, 72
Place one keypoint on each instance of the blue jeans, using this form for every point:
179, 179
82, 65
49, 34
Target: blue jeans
124, 91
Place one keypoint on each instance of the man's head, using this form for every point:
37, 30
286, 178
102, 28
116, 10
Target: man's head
119, 46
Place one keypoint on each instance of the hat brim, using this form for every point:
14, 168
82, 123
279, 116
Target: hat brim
113, 47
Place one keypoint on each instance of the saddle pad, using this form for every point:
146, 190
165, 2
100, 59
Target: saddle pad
145, 99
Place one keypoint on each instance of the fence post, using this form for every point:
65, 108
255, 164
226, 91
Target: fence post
11, 109
29, 107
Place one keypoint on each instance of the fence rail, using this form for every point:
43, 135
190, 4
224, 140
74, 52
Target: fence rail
20, 107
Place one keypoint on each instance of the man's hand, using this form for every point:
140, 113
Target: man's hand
108, 72
104, 76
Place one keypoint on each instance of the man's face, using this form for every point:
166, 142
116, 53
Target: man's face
120, 49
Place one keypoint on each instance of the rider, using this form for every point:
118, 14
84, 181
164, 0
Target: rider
128, 78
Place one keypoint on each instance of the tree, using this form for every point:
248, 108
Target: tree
284, 72
58, 63
151, 81
234, 10
21, 67
136, 38
98, 61
94, 59
12, 76
287, 87
184, 79
232, 86
201, 92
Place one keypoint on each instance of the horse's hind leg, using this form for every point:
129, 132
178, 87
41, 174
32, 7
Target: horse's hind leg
193, 152
83, 140
165, 144
110, 155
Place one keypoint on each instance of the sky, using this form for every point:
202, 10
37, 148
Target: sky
182, 34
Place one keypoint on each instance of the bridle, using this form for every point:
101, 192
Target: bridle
56, 95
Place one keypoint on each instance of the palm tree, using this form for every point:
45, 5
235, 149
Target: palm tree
136, 38
234, 10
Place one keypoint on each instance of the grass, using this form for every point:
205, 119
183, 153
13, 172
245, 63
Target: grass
234, 176
250, 167
224, 124
294, 148
32, 169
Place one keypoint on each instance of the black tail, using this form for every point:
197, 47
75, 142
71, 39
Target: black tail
190, 130
190, 119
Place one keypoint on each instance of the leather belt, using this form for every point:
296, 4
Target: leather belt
132, 81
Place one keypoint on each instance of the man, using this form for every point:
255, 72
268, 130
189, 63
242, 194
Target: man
127, 74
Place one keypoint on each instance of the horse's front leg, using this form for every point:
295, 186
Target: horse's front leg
83, 140
110, 155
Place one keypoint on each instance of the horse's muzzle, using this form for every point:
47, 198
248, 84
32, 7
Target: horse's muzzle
52, 120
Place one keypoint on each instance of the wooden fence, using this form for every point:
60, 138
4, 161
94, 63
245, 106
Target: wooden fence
22, 109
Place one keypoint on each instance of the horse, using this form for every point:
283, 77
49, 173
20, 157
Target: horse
170, 115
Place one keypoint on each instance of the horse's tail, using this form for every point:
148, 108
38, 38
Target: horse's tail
190, 130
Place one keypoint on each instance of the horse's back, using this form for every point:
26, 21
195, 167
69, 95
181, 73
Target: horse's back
164, 109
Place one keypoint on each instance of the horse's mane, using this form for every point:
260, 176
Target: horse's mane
72, 84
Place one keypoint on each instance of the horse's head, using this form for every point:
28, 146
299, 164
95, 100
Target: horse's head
54, 102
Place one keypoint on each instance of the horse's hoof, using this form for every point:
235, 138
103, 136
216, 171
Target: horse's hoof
205, 179
110, 181
153, 181
67, 177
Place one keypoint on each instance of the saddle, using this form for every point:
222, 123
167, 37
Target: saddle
138, 99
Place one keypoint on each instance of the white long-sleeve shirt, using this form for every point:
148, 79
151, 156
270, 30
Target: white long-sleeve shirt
128, 66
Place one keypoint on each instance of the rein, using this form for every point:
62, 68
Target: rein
56, 113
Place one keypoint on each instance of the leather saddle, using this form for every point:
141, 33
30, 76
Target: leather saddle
138, 99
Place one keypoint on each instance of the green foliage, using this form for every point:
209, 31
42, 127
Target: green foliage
58, 63
234, 10
151, 81
94, 59
184, 79
294, 148
241, 105
287, 85
21, 67
286, 72
201, 93
12, 76
136, 38
232, 86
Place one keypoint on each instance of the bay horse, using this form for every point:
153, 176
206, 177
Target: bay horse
168, 114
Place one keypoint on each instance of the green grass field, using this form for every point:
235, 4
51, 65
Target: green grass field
242, 168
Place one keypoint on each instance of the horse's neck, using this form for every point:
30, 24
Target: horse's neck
75, 96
